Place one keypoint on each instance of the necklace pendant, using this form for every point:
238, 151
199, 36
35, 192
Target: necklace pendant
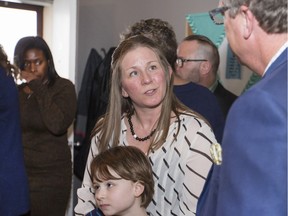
29, 95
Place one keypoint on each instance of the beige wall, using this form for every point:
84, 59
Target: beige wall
101, 21
60, 24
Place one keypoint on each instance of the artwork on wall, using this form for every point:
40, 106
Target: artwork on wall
233, 67
201, 23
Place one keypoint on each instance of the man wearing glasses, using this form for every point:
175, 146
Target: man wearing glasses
204, 60
198, 97
252, 179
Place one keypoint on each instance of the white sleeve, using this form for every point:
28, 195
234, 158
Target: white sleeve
86, 199
198, 164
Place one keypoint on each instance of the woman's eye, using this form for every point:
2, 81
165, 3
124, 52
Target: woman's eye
153, 67
38, 62
133, 73
26, 64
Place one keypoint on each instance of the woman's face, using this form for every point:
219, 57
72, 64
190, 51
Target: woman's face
35, 65
143, 78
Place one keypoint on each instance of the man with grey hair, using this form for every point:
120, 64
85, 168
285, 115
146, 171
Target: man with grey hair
202, 62
252, 179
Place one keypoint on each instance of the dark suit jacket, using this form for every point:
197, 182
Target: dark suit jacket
14, 191
253, 177
201, 100
224, 97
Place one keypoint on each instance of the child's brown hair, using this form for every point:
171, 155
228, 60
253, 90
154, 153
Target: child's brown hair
130, 163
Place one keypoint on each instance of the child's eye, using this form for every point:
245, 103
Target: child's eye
109, 184
96, 187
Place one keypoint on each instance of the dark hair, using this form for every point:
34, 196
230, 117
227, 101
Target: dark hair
31, 42
130, 163
10, 69
204, 43
160, 31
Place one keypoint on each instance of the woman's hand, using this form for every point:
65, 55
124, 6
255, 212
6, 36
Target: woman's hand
26, 76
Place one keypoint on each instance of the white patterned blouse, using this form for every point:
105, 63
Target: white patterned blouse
180, 168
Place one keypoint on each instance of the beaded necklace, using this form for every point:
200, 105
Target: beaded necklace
133, 132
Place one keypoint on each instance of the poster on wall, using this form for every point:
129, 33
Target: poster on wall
233, 67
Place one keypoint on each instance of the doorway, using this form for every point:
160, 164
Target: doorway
17, 21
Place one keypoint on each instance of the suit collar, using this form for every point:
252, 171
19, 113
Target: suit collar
278, 58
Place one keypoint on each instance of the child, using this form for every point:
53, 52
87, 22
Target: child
123, 181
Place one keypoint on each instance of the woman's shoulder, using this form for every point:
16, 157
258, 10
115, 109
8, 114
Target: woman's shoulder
191, 119
192, 125
64, 84
191, 116
61, 80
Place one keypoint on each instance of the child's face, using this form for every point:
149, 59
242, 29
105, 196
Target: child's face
116, 197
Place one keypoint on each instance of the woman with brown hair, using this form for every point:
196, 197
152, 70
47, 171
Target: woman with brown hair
143, 112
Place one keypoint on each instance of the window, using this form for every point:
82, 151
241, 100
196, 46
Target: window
17, 21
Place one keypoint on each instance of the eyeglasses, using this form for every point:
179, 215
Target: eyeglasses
217, 14
180, 61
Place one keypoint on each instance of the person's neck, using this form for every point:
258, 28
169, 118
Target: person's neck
208, 81
179, 81
268, 49
213, 86
141, 212
134, 211
147, 118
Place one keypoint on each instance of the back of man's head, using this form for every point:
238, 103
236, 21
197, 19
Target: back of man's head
271, 14
161, 32
207, 49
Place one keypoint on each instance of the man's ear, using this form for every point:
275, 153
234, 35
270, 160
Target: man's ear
205, 67
249, 20
138, 189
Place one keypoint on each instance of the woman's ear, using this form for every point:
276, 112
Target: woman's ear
138, 188
124, 93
